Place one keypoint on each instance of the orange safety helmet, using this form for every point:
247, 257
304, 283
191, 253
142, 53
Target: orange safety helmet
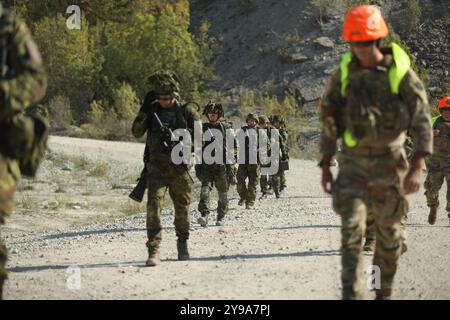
444, 103
364, 23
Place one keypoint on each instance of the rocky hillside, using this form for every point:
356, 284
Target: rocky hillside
290, 46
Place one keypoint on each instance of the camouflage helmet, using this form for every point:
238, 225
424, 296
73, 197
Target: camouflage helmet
277, 118
251, 116
264, 119
165, 84
213, 108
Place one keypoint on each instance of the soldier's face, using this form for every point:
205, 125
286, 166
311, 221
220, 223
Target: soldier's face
263, 125
446, 114
277, 125
212, 117
365, 50
251, 123
165, 103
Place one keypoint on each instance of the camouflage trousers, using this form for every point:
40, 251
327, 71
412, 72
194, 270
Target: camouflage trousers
265, 183
276, 181
371, 230
163, 177
438, 170
370, 184
9, 175
283, 184
3, 259
211, 176
252, 172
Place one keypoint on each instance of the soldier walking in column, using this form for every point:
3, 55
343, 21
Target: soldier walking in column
219, 175
158, 118
370, 103
438, 164
23, 136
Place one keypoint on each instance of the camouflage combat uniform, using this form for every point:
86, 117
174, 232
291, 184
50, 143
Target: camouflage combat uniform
163, 174
22, 83
371, 173
211, 175
370, 221
285, 155
438, 165
265, 180
278, 180
247, 193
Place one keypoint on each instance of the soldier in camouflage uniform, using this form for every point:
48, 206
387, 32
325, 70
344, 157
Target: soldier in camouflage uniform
370, 103
23, 82
278, 180
248, 170
369, 244
221, 174
438, 164
265, 183
285, 135
163, 174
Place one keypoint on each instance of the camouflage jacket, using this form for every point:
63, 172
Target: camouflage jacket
226, 129
391, 115
283, 136
283, 143
22, 77
246, 148
175, 117
23, 82
441, 141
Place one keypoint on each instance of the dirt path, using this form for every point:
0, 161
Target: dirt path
283, 249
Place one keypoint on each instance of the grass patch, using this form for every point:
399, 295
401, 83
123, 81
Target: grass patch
130, 207
28, 202
81, 163
99, 170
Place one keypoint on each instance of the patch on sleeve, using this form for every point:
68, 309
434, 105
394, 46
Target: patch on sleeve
419, 86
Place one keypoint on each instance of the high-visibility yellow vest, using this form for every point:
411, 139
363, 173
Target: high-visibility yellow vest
397, 72
434, 120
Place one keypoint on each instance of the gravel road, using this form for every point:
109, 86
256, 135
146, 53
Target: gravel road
285, 248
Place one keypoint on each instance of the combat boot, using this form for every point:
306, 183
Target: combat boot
383, 294
248, 205
432, 216
241, 202
203, 220
183, 253
153, 258
220, 220
277, 194
369, 245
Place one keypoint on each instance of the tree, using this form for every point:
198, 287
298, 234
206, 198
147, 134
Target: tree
72, 60
152, 42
